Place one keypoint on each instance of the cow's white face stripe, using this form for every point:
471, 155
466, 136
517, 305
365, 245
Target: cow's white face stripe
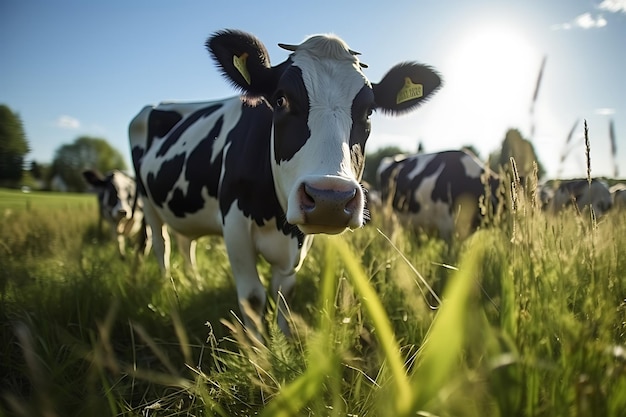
332, 86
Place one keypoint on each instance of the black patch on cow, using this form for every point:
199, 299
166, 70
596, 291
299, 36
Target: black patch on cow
164, 180
362, 107
291, 115
160, 123
248, 178
199, 173
137, 154
175, 135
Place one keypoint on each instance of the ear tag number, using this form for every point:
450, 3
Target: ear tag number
409, 91
240, 63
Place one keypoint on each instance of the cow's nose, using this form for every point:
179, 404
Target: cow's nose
328, 207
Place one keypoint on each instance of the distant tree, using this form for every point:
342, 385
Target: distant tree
36, 170
13, 147
85, 152
522, 150
373, 160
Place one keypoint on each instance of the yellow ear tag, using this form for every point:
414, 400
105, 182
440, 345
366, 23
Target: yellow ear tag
240, 63
409, 91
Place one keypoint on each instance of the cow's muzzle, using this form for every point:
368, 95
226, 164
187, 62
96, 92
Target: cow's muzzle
329, 206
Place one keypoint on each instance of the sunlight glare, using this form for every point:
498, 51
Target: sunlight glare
491, 74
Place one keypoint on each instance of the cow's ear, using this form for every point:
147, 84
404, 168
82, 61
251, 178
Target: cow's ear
405, 87
243, 60
93, 177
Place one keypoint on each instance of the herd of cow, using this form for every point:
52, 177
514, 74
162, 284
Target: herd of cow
283, 161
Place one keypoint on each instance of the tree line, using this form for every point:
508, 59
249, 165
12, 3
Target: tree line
64, 173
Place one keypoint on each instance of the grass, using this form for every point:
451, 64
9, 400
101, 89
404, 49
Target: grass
530, 323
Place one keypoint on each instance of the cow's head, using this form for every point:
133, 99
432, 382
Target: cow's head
116, 193
322, 103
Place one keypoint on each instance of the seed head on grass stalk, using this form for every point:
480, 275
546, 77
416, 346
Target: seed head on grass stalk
588, 153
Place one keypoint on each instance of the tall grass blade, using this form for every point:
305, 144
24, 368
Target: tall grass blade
536, 95
386, 338
613, 148
445, 338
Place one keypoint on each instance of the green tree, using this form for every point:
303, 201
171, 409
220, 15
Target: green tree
13, 147
522, 150
84, 153
373, 160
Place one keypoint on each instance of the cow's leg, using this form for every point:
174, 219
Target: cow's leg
147, 238
160, 239
242, 255
187, 248
121, 244
286, 256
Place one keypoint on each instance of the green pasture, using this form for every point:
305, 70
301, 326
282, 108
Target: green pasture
526, 317
16, 199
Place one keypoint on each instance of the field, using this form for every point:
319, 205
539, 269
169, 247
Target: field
526, 317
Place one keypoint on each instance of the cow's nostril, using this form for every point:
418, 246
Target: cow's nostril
307, 200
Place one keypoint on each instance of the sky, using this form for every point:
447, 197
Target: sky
72, 68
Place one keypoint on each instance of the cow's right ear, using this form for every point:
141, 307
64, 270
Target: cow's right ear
93, 177
243, 60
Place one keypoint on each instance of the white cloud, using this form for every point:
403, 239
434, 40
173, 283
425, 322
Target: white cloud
584, 21
613, 6
587, 21
605, 111
590, 21
67, 122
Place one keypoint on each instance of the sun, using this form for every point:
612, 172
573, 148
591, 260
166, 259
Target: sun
491, 72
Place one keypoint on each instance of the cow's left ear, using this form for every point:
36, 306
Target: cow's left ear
243, 60
405, 87
93, 177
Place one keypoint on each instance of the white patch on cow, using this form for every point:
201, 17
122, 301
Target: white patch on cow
472, 168
332, 83
432, 215
422, 161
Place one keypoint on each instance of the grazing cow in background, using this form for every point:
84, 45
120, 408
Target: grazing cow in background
582, 193
436, 192
271, 167
116, 201
618, 193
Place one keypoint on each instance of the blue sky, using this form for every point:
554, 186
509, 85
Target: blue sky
73, 67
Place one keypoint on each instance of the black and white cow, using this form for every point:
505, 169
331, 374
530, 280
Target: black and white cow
269, 168
436, 192
583, 194
116, 202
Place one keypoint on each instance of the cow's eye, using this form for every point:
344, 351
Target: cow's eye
281, 102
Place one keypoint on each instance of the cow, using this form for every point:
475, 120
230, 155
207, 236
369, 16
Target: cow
437, 193
118, 205
271, 167
618, 193
582, 193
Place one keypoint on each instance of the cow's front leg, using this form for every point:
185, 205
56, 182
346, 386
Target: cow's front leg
286, 255
187, 248
242, 255
160, 239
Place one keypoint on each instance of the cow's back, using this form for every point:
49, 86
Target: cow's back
180, 153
